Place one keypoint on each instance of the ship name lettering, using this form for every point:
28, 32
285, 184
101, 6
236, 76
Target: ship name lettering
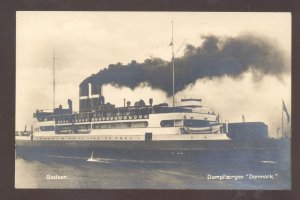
254, 177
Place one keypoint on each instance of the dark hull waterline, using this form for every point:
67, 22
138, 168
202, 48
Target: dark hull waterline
268, 150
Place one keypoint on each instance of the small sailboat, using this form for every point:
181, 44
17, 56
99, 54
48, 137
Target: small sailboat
92, 159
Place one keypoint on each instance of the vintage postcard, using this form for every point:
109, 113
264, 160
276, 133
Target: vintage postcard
153, 100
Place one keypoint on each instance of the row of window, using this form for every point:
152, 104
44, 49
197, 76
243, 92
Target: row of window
130, 117
90, 138
74, 127
143, 124
118, 125
86, 127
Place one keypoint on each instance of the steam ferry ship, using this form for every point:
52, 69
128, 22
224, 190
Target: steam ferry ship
187, 132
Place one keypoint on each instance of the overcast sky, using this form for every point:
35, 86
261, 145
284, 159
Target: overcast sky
86, 42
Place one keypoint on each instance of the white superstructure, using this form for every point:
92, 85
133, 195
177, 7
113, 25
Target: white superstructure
189, 121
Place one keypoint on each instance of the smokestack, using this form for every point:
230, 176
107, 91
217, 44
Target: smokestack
83, 96
70, 105
150, 101
100, 90
101, 97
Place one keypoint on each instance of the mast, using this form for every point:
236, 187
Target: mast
282, 119
173, 64
53, 79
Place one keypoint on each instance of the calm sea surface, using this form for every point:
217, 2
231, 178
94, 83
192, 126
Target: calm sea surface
130, 174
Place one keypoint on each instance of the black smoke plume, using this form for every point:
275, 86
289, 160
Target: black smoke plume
216, 57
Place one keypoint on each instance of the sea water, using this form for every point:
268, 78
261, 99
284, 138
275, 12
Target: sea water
104, 173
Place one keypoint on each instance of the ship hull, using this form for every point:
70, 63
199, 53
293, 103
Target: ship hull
156, 151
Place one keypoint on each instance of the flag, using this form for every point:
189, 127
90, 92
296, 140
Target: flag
285, 110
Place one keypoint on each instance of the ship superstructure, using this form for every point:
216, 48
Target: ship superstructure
98, 120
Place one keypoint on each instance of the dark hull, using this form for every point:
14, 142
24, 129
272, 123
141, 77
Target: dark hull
158, 151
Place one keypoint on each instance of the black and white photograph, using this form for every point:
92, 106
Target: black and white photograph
153, 100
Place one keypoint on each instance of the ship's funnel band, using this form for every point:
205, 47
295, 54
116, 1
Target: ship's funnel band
95, 96
90, 89
83, 97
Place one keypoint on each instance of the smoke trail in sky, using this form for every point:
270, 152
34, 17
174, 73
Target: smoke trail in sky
215, 57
